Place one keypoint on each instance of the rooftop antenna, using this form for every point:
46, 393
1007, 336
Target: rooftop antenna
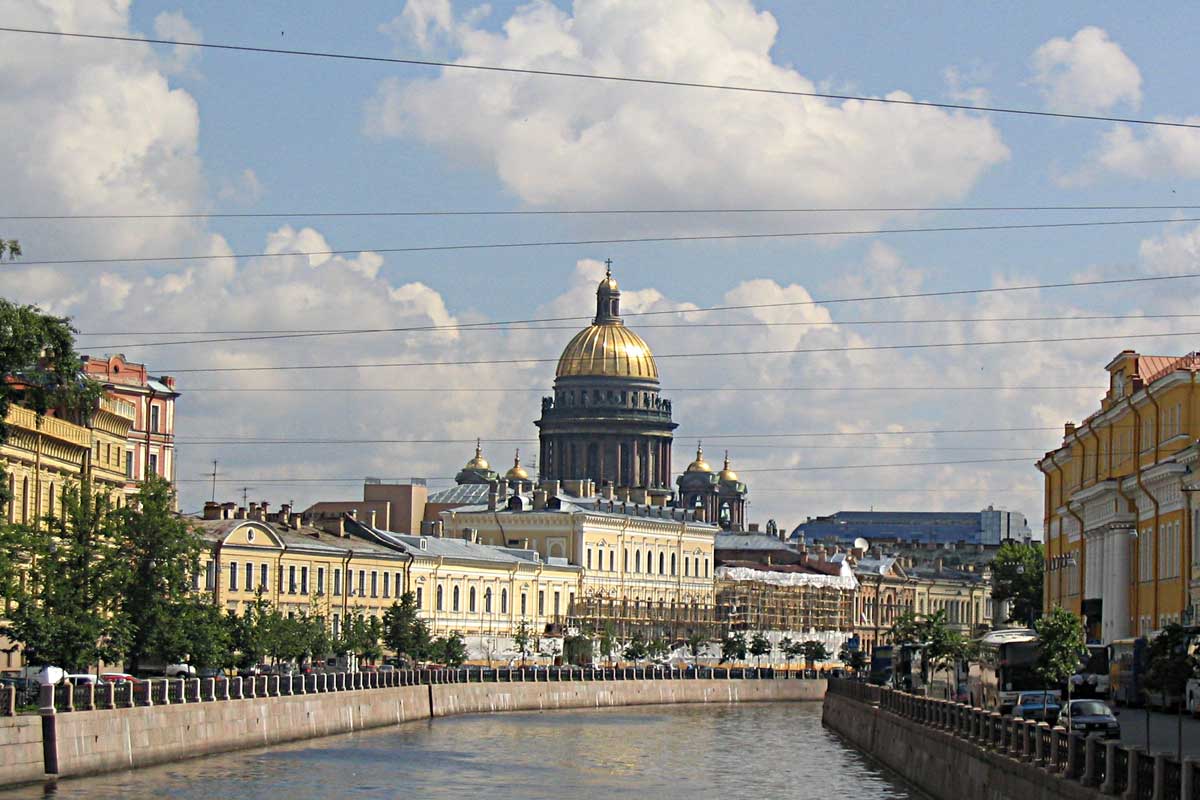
246, 495
214, 481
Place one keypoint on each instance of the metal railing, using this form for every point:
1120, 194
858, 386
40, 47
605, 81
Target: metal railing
1111, 767
105, 696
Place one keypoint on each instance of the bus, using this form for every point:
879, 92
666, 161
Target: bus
1127, 665
1004, 669
881, 666
907, 659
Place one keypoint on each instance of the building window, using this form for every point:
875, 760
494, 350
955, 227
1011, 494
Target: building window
556, 602
662, 563
129, 465
196, 580
337, 624
589, 558
438, 598
637, 561
454, 599
420, 596
304, 580
541, 602
362, 582
487, 601
524, 604
210, 575
612, 560
154, 410
397, 583
504, 601
262, 578
153, 464
387, 589
706, 566
471, 600
249, 577
291, 580
374, 583
687, 566
233, 572
337, 581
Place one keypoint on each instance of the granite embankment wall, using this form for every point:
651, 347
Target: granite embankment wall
940, 764
91, 742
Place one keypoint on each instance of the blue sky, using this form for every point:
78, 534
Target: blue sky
116, 127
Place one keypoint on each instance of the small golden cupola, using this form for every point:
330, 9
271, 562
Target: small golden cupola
727, 474
699, 465
517, 472
477, 470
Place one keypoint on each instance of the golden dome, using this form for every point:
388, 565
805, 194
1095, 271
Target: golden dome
727, 474
699, 465
608, 350
478, 462
517, 472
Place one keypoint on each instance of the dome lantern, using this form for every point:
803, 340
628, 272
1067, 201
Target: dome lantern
700, 465
517, 472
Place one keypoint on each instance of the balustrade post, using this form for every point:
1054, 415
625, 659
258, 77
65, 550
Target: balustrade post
273, 685
10, 701
1032, 734
1136, 754
1075, 743
1160, 775
1039, 743
1186, 778
107, 695
1109, 785
1091, 760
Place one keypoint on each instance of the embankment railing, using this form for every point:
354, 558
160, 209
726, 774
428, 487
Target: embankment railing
65, 697
1113, 768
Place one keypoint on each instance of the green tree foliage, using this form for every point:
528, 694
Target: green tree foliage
68, 608
404, 632
523, 639
696, 642
1017, 578
907, 628
814, 653
577, 650
1062, 646
37, 352
635, 649
733, 648
1171, 665
204, 637
162, 553
450, 650
760, 646
249, 633
658, 648
853, 657
361, 635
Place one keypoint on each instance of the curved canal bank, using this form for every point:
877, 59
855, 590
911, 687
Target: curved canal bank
92, 742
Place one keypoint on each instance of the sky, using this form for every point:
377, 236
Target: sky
103, 127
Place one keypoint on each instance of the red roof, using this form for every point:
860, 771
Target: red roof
1151, 368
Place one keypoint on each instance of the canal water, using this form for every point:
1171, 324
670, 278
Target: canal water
765, 750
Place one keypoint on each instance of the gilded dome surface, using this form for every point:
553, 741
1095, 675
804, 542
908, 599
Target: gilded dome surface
516, 472
727, 474
608, 350
699, 465
478, 462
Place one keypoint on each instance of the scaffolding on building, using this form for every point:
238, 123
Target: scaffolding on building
748, 605
672, 622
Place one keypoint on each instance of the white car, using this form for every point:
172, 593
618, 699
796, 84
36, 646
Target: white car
81, 678
179, 671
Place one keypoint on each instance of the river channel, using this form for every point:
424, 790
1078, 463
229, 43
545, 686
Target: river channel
765, 750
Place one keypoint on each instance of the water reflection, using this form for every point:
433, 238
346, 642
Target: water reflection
757, 750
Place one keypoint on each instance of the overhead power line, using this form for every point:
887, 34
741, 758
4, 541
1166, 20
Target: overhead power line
588, 212
596, 77
718, 237
503, 327
715, 354
668, 390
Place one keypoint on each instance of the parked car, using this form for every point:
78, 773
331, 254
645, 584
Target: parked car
80, 678
1036, 705
1090, 716
118, 677
211, 672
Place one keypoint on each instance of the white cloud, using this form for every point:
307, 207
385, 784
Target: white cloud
1087, 74
422, 22
173, 25
1157, 152
245, 189
575, 143
963, 85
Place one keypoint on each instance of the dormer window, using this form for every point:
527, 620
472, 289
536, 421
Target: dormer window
1118, 384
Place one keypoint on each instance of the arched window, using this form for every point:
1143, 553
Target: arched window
454, 600
612, 560
51, 509
706, 566
637, 561
649, 563
673, 565
471, 600
625, 560
487, 600
662, 563
438, 599
687, 566
504, 601
25, 500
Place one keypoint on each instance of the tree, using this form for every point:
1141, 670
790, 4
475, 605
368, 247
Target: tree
760, 646
635, 650
577, 650
249, 633
793, 651
944, 648
907, 628
38, 363
696, 643
11, 247
1017, 578
733, 647
814, 652
162, 553
608, 642
67, 605
404, 632
205, 639
1171, 667
522, 639
451, 650
853, 657
1061, 636
785, 645
657, 649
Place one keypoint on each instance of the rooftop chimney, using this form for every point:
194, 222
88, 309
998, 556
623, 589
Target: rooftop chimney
1068, 429
492, 497
253, 512
240, 513
212, 510
539, 499
606, 490
228, 510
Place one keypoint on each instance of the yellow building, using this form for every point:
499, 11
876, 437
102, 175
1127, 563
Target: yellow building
1117, 495
640, 559
301, 569
44, 455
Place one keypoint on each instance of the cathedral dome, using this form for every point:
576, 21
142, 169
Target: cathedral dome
699, 465
517, 472
608, 350
478, 462
727, 474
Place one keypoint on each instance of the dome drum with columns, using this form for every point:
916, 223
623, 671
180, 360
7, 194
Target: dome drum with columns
606, 420
722, 494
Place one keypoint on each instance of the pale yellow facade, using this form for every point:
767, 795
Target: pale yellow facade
1119, 532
